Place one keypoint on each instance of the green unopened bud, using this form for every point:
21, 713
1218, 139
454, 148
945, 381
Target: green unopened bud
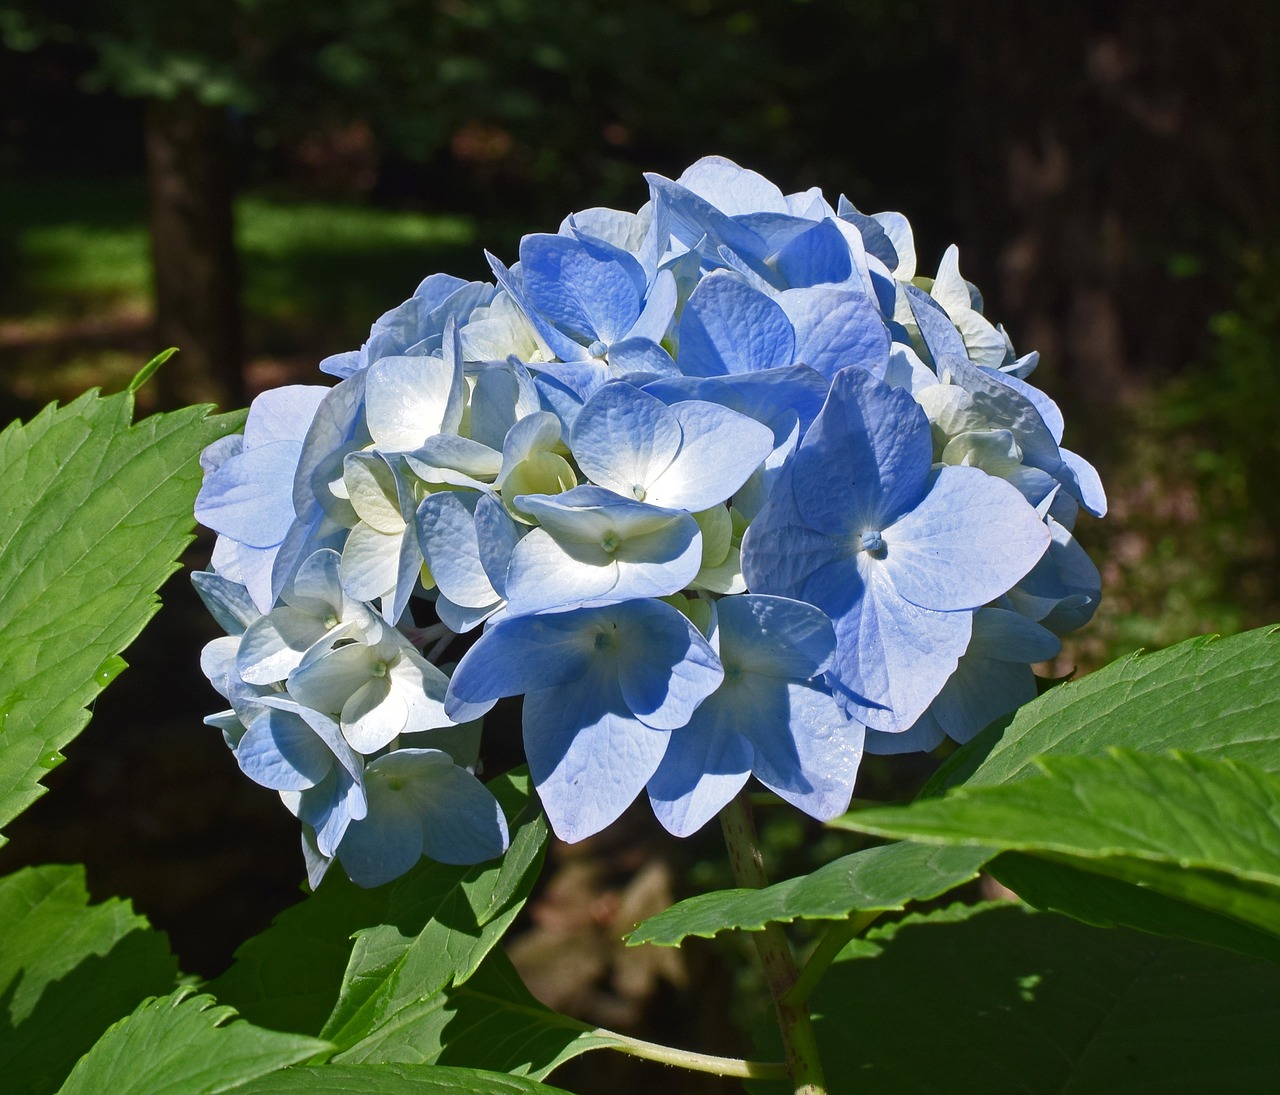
717, 535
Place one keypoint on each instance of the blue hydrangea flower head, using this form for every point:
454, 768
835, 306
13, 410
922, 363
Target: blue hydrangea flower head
726, 488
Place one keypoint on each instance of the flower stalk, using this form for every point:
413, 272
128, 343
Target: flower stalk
804, 1065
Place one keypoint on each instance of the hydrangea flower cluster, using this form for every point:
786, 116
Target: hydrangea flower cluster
725, 488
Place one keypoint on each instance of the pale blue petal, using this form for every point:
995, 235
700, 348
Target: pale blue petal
502, 395
720, 449
274, 644
624, 438
461, 619
522, 654
815, 257
732, 189
775, 636
588, 756
228, 602
892, 657
587, 288
924, 736
705, 765
665, 667
659, 310
980, 691
778, 552
497, 535
640, 360
806, 750
1010, 637
282, 752
409, 399
250, 497
373, 716
866, 459
1085, 484
971, 539
940, 336
451, 546
388, 841
1008, 407
836, 328
729, 327
282, 414
461, 820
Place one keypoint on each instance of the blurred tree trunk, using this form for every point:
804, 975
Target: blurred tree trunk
197, 270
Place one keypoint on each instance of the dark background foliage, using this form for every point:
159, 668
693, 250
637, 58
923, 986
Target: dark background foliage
256, 180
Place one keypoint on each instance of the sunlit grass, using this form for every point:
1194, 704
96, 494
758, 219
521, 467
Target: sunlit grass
71, 249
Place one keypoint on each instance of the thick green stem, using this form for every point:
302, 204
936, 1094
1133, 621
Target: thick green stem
831, 944
798, 1039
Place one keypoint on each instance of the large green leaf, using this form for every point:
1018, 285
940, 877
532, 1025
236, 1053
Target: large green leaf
93, 514
1109, 903
184, 1043
394, 1079
439, 924
874, 879
491, 1021
1216, 697
1203, 831
1004, 1000
288, 976
68, 970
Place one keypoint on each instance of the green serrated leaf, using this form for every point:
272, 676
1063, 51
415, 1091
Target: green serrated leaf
440, 922
874, 879
185, 1043
68, 970
491, 1021
1203, 831
1216, 697
94, 513
1108, 903
394, 1079
1005, 1000
288, 977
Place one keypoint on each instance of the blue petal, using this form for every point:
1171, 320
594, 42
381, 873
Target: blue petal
971, 539
729, 327
806, 750
941, 339
705, 765
624, 437
835, 328
588, 289
588, 756
866, 459
282, 752
775, 636
814, 257
523, 654
250, 497
892, 657
665, 667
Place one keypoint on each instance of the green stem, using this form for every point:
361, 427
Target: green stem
694, 1062
803, 1062
830, 945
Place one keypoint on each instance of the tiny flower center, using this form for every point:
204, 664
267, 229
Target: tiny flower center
379, 669
873, 543
638, 490
330, 622
606, 641
610, 542
597, 349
